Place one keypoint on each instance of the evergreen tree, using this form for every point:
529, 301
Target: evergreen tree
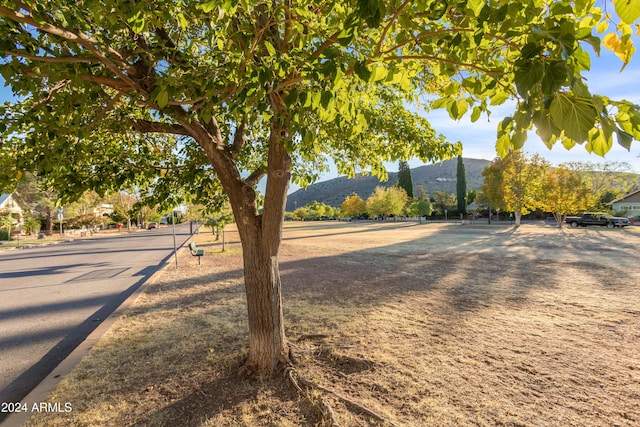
461, 186
404, 178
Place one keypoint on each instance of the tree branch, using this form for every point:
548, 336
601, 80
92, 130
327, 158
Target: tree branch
81, 39
327, 43
440, 59
106, 81
388, 26
239, 139
104, 111
255, 177
67, 59
147, 126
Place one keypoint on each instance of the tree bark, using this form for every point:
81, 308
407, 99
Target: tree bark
518, 217
268, 350
260, 236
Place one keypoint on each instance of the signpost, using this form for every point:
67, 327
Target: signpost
60, 217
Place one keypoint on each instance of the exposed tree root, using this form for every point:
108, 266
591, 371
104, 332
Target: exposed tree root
330, 414
296, 379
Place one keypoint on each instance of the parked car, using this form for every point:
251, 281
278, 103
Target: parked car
634, 220
152, 225
596, 218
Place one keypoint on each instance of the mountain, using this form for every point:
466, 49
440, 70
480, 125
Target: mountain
436, 177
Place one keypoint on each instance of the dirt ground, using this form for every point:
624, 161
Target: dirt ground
390, 324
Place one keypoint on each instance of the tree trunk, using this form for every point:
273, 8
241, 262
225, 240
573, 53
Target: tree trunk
260, 235
49, 223
518, 217
268, 352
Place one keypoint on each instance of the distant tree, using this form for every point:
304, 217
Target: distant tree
444, 200
420, 208
314, 210
461, 186
32, 225
219, 220
517, 179
404, 178
6, 222
422, 194
564, 192
34, 193
606, 181
491, 193
123, 207
387, 201
471, 196
301, 214
353, 206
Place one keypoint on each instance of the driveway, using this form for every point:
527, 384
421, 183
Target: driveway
52, 297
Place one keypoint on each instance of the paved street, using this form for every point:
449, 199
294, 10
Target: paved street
52, 297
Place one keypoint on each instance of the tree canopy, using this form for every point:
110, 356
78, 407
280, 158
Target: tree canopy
514, 183
387, 201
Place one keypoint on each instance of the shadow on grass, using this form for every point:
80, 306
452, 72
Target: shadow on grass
176, 355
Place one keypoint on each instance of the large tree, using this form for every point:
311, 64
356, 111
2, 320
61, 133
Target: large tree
207, 97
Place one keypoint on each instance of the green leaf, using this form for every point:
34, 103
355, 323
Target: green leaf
208, 6
503, 145
458, 108
628, 10
378, 73
182, 21
362, 71
545, 128
598, 143
475, 115
518, 139
499, 98
527, 75
624, 138
568, 143
163, 98
583, 59
270, 48
476, 6
576, 116
555, 75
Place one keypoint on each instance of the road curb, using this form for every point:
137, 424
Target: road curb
38, 396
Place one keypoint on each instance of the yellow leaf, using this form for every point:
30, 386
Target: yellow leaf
602, 27
611, 41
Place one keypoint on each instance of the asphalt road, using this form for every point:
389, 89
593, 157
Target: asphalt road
52, 297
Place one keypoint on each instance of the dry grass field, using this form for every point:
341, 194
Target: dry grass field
421, 325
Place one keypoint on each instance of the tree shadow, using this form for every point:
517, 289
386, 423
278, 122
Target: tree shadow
192, 331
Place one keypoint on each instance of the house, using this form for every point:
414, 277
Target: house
629, 204
9, 205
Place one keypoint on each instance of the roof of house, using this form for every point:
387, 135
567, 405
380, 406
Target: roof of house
4, 197
634, 196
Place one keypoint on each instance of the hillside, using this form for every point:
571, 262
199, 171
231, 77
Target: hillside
436, 177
